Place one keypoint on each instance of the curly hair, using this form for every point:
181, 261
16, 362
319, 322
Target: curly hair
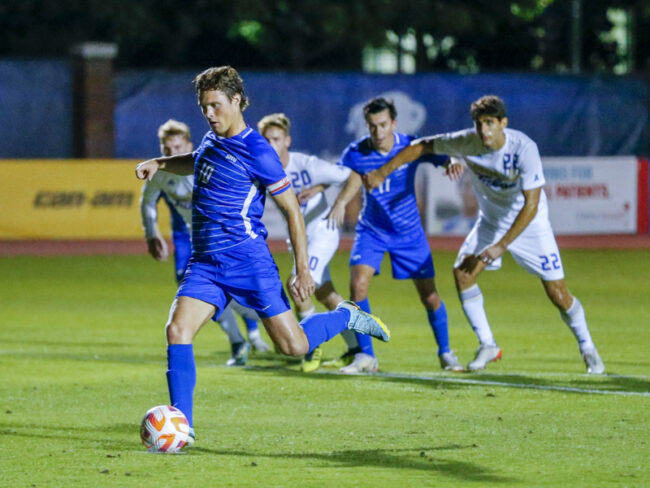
222, 78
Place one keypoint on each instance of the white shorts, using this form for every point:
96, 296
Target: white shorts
322, 244
534, 249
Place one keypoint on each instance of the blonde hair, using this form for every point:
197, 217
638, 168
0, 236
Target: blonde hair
278, 120
173, 128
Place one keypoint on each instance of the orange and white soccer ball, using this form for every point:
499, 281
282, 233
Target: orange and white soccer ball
164, 429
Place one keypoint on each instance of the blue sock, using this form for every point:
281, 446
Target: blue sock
438, 322
365, 341
251, 324
181, 377
321, 327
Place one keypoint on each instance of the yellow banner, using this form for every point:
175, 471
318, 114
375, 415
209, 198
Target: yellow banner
72, 199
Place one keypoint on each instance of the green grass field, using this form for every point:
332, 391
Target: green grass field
82, 357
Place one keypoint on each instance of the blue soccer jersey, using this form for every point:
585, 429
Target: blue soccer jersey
231, 176
391, 208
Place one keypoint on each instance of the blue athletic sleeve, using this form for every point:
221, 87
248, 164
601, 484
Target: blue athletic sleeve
348, 160
268, 170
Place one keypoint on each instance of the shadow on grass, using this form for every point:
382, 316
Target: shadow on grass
79, 435
587, 382
416, 458
457, 381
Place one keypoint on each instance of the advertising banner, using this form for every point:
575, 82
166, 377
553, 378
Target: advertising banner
72, 199
586, 195
592, 195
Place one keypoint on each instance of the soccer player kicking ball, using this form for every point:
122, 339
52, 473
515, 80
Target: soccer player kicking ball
390, 222
513, 216
233, 167
176, 190
309, 175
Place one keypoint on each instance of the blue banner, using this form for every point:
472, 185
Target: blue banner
565, 115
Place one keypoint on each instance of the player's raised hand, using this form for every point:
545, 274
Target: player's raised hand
372, 179
454, 169
336, 216
147, 169
302, 286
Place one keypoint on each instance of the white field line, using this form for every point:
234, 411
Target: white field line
530, 386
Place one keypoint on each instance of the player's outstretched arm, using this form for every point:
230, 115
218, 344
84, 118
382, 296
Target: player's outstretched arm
181, 164
337, 213
524, 217
303, 286
374, 179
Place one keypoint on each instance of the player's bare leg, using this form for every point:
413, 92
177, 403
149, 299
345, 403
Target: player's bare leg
186, 316
360, 276
437, 317
471, 298
327, 295
286, 334
573, 315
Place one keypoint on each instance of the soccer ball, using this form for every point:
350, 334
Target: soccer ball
164, 429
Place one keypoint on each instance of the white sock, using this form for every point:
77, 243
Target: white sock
228, 323
472, 301
254, 335
575, 319
307, 313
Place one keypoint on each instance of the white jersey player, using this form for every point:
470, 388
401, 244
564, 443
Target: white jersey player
513, 215
176, 190
309, 176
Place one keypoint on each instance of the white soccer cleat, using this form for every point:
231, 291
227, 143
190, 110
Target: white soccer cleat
484, 355
449, 362
363, 363
594, 364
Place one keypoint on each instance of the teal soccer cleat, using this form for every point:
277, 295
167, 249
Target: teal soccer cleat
365, 323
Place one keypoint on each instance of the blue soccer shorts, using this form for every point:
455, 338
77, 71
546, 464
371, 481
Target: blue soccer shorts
245, 273
410, 255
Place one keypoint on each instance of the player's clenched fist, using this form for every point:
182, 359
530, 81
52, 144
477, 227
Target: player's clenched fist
147, 169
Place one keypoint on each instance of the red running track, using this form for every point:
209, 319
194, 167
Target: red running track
102, 247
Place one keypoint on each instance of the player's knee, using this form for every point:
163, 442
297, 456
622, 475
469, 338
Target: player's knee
176, 334
431, 301
293, 348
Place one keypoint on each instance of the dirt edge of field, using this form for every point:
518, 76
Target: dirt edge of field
137, 246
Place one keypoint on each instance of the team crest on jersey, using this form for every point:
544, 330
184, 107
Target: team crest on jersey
231, 158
